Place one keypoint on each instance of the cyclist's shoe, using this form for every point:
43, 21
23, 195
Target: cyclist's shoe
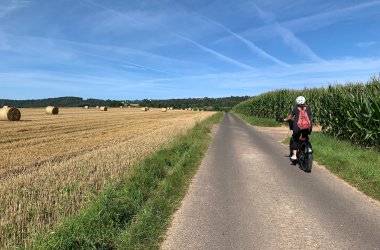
293, 157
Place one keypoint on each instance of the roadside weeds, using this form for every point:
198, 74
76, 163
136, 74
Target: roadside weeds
135, 212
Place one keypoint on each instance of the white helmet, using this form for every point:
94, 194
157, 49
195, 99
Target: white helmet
300, 100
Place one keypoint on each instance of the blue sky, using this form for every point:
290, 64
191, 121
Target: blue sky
163, 49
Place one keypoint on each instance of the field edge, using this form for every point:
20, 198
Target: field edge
135, 212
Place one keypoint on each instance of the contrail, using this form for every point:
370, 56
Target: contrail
219, 55
129, 63
101, 6
251, 45
297, 45
287, 35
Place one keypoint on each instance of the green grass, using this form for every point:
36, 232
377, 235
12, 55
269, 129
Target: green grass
257, 121
358, 166
135, 212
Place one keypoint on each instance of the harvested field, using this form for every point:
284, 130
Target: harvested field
51, 166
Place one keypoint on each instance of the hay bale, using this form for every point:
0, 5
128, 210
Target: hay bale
103, 108
97, 107
10, 114
121, 107
86, 107
51, 110
171, 108
144, 109
164, 109
4, 107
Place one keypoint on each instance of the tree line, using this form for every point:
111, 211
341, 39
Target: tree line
206, 103
60, 102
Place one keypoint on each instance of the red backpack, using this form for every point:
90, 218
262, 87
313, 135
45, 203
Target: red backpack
303, 119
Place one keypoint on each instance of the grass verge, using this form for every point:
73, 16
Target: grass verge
358, 166
135, 212
257, 121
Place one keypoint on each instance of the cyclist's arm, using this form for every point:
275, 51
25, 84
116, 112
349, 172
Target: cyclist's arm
290, 116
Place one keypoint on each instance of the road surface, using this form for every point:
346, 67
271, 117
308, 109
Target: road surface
246, 195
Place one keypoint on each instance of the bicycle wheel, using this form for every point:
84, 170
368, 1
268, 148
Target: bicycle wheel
308, 162
309, 157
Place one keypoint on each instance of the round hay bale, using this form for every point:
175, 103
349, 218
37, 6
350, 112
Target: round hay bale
51, 110
10, 114
144, 109
86, 107
121, 107
171, 108
97, 107
4, 107
164, 109
103, 108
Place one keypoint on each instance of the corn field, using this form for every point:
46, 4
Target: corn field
51, 166
349, 112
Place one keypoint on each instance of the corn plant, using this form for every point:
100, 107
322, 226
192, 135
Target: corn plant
350, 112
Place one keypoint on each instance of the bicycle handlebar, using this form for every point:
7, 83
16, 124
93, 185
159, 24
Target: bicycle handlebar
290, 122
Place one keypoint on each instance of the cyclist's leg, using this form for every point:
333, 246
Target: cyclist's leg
296, 135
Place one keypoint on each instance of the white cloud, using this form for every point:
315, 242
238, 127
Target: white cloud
116, 84
44, 49
112, 21
299, 76
10, 6
366, 44
4, 43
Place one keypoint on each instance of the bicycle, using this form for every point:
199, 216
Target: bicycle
304, 151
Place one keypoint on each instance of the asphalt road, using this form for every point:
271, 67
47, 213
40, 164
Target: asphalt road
246, 195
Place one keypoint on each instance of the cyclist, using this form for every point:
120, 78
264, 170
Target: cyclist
297, 131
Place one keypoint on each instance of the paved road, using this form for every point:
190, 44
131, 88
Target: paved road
246, 195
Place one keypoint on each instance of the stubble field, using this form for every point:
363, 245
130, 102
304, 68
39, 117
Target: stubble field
53, 165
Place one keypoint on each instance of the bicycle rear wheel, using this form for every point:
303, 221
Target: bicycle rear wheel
301, 156
308, 162
305, 157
